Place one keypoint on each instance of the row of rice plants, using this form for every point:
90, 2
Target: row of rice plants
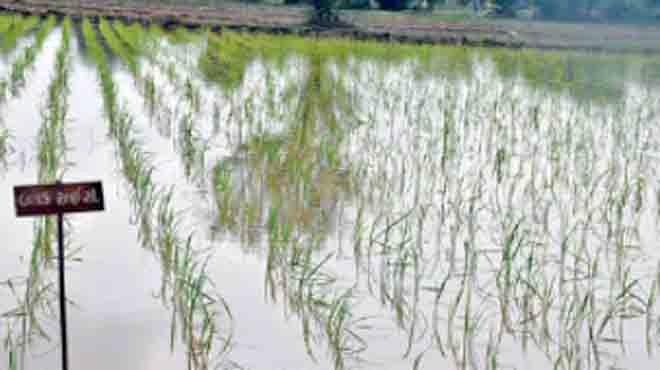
5, 146
190, 145
195, 305
117, 47
7, 20
398, 171
40, 292
287, 186
225, 60
16, 79
27, 58
18, 28
129, 53
524, 199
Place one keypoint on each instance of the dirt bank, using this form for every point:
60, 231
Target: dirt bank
285, 19
272, 19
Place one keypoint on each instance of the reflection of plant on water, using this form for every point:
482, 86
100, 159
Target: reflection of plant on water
442, 195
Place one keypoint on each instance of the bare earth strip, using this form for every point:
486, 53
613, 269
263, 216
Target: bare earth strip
401, 26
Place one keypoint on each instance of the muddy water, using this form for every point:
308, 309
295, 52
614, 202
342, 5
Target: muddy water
379, 215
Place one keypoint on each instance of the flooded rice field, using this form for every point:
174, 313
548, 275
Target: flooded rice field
281, 203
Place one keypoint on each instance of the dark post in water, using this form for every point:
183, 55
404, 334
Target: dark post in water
60, 248
58, 199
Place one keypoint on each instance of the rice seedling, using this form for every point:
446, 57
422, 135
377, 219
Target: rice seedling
118, 48
5, 146
310, 293
52, 145
225, 60
18, 28
132, 35
7, 20
177, 36
27, 59
140, 42
150, 94
480, 212
192, 148
189, 143
279, 183
196, 309
195, 306
97, 53
135, 39
134, 43
223, 192
35, 303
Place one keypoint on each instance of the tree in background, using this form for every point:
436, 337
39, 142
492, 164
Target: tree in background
549, 8
393, 4
324, 13
594, 9
504, 7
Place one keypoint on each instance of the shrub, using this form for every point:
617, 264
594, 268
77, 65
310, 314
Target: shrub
393, 4
504, 7
324, 12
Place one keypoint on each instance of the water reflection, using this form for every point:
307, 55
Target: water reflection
402, 206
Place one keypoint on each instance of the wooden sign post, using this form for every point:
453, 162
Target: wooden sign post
58, 199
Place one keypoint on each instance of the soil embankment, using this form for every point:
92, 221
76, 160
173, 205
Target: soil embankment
272, 19
286, 19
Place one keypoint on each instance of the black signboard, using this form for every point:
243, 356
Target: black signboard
37, 200
58, 199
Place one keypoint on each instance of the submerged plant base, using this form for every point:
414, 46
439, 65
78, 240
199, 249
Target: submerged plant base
331, 203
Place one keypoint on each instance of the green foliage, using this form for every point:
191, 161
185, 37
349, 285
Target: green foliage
29, 55
4, 145
185, 285
225, 59
51, 136
354, 4
393, 4
96, 52
51, 150
504, 7
324, 12
118, 47
133, 35
595, 9
18, 27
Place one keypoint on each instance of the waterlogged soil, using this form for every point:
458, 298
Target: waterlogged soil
342, 208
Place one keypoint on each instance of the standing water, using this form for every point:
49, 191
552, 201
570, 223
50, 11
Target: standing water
275, 202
